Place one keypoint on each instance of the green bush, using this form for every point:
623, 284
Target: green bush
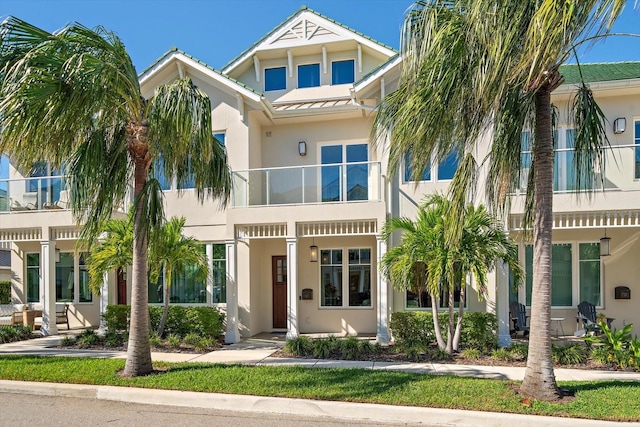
471, 353
518, 351
203, 344
415, 329
206, 322
68, 341
324, 348
114, 339
351, 348
174, 341
155, 340
502, 354
191, 339
87, 338
5, 292
569, 354
299, 346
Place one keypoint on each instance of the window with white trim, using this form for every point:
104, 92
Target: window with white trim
275, 78
72, 278
575, 274
636, 141
33, 277
343, 72
345, 275
308, 75
443, 171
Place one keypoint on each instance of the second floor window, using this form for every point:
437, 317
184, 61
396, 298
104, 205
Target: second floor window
275, 78
308, 75
444, 171
342, 72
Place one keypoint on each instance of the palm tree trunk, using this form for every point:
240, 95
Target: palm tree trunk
456, 336
539, 380
436, 323
138, 349
449, 348
165, 310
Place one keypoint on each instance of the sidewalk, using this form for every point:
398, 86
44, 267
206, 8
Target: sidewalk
258, 352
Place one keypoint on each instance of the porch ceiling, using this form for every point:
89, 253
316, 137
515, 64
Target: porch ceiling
338, 228
585, 220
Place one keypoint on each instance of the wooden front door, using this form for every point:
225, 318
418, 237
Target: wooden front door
279, 280
122, 288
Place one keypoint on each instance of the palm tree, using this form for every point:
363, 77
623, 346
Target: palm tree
171, 252
428, 258
473, 65
114, 250
74, 97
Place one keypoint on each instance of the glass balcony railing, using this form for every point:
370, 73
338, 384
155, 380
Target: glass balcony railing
620, 170
346, 182
33, 194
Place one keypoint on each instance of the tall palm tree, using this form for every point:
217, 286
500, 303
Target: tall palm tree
473, 65
171, 252
428, 258
74, 97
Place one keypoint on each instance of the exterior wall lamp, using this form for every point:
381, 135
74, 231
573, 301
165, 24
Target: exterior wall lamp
313, 252
302, 148
619, 125
605, 245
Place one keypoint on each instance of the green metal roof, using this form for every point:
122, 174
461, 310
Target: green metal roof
281, 24
175, 49
600, 72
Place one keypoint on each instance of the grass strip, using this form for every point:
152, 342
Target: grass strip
603, 400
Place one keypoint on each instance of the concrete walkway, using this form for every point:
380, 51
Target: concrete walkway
258, 351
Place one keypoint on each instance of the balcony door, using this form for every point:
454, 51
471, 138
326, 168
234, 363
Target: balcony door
345, 172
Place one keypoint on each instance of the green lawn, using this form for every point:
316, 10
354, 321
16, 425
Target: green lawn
606, 400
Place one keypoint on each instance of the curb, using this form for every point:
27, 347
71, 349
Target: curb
301, 407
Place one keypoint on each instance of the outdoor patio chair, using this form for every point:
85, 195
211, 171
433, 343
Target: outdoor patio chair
62, 314
518, 315
587, 315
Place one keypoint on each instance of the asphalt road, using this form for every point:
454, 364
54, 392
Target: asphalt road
29, 410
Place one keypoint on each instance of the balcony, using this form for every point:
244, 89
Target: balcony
33, 194
620, 170
331, 183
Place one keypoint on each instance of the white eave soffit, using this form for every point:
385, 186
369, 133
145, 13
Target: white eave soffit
307, 28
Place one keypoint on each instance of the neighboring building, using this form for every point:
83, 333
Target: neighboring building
295, 112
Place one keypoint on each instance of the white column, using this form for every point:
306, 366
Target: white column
292, 287
48, 283
502, 304
209, 248
233, 334
104, 301
382, 304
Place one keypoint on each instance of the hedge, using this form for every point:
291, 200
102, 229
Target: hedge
5, 292
203, 321
415, 328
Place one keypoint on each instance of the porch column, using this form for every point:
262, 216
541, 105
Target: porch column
502, 304
209, 251
104, 301
48, 284
382, 303
233, 334
292, 287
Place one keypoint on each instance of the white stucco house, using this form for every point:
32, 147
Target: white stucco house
297, 249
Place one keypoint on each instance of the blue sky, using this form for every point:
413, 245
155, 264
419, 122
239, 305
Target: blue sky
215, 31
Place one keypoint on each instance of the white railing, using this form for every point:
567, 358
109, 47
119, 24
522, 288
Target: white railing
33, 194
332, 183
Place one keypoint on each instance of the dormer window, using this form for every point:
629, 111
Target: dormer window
308, 75
275, 78
343, 72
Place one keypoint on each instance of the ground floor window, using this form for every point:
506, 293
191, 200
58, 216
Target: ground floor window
33, 277
419, 298
188, 288
575, 274
67, 284
345, 275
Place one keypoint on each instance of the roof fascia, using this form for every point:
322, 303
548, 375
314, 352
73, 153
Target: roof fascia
369, 79
218, 77
597, 86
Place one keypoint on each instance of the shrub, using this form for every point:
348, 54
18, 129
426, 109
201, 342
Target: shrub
299, 346
617, 345
438, 355
471, 353
415, 329
117, 318
501, 354
366, 347
351, 348
87, 338
479, 331
323, 348
174, 341
568, 354
191, 339
518, 351
114, 339
203, 344
68, 341
600, 355
155, 340
5, 292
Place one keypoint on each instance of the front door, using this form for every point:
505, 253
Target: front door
122, 288
279, 280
